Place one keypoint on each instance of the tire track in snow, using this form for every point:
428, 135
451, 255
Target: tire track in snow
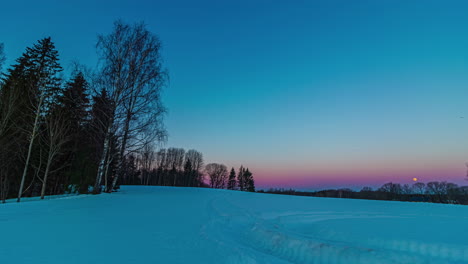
233, 225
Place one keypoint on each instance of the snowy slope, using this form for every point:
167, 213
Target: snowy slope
189, 225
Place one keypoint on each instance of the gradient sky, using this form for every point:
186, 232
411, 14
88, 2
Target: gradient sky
307, 94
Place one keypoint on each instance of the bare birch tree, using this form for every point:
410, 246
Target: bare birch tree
57, 135
133, 75
196, 159
147, 157
218, 175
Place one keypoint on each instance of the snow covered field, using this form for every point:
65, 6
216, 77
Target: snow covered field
189, 225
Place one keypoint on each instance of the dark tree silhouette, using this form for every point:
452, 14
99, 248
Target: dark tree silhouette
133, 75
232, 180
217, 174
37, 70
241, 178
249, 181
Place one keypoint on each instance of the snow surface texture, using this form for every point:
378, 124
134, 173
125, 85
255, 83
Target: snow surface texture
141, 225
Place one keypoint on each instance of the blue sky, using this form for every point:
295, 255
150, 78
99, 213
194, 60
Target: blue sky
305, 93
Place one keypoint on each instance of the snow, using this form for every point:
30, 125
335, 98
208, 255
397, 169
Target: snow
193, 225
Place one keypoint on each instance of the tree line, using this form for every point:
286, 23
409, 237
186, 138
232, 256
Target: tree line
434, 192
177, 167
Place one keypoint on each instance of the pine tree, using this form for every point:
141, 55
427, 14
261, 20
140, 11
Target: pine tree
36, 73
75, 106
249, 181
232, 180
241, 179
75, 102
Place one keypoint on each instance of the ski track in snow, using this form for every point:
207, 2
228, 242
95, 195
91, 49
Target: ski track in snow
190, 225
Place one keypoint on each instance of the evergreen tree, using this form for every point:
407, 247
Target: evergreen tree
232, 180
249, 181
75, 102
241, 179
36, 77
75, 106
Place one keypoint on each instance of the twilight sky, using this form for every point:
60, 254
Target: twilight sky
307, 94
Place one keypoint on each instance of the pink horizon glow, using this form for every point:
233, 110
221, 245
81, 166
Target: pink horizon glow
340, 179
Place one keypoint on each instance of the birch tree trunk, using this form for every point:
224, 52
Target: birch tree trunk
133, 74
46, 174
103, 164
31, 141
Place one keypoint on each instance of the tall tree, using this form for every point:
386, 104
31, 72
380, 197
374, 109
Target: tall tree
232, 180
241, 179
98, 128
132, 73
75, 106
75, 102
36, 72
10, 110
249, 181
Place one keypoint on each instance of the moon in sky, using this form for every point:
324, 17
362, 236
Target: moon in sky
415, 179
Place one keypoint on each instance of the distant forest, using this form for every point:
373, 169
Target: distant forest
98, 128
433, 192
